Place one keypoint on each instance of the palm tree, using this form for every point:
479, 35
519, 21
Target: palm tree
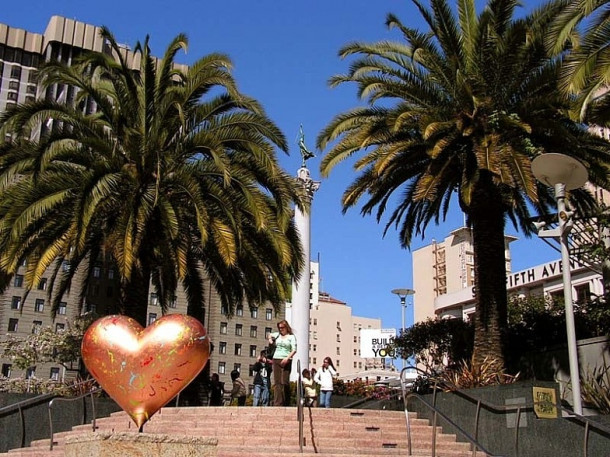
172, 176
456, 113
582, 25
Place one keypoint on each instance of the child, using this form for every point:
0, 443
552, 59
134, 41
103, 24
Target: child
262, 380
324, 377
239, 389
310, 389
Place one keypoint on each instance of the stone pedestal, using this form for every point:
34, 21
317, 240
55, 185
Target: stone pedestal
129, 444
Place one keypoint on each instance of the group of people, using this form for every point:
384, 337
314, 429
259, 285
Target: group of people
277, 359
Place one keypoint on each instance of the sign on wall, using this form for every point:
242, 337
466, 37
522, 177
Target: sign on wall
374, 343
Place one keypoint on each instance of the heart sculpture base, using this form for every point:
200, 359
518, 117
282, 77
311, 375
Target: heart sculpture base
142, 369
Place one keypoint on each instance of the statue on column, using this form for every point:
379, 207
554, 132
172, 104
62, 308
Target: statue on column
306, 154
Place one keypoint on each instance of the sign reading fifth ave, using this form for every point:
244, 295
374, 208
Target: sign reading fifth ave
374, 343
544, 271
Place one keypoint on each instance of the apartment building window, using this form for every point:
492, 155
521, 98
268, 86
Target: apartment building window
359, 364
6, 370
97, 272
16, 72
31, 89
59, 327
237, 367
110, 273
42, 284
62, 308
222, 368
253, 331
54, 375
239, 311
36, 327
338, 363
237, 349
251, 370
172, 303
338, 338
223, 328
16, 302
18, 281
253, 350
13, 85
239, 329
12, 96
30, 373
355, 364
315, 347
315, 336
39, 305
33, 77
152, 317
268, 314
254, 313
315, 360
315, 321
355, 353
583, 293
224, 310
355, 339
154, 299
222, 348
338, 350
338, 325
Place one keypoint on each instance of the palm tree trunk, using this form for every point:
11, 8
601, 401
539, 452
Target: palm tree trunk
134, 296
490, 319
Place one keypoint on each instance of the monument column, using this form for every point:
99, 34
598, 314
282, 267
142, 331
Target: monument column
299, 319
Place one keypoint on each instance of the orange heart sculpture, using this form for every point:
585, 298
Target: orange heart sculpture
142, 369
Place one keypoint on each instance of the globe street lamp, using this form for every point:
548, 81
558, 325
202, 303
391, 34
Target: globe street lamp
564, 173
403, 293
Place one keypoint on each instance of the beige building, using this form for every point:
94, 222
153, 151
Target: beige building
443, 276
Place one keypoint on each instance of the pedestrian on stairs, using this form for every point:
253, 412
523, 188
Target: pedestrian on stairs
324, 377
262, 380
239, 389
285, 348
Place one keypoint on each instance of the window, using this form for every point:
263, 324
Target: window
224, 310
151, 318
6, 370
59, 327
238, 329
315, 347
338, 338
359, 364
62, 308
16, 302
253, 331
42, 285
355, 353
223, 328
110, 273
13, 85
30, 373
16, 72
355, 364
251, 370
237, 349
338, 363
97, 272
222, 348
54, 374
253, 350
268, 314
222, 368
239, 311
12, 96
31, 89
39, 305
154, 299
237, 367
268, 331
315, 336
315, 360
583, 293
315, 321
355, 339
36, 327
18, 281
339, 325
172, 303
253, 313
338, 350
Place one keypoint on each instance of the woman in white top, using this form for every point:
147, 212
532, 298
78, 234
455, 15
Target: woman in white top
324, 377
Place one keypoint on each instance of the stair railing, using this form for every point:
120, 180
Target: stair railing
475, 445
82, 396
585, 422
21, 406
300, 402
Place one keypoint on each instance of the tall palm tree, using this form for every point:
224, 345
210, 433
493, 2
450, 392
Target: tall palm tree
584, 26
456, 113
172, 176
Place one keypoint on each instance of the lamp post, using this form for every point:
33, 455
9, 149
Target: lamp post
403, 293
564, 173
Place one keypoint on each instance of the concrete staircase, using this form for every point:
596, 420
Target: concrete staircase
264, 432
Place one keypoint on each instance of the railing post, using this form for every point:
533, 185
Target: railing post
586, 441
434, 433
517, 423
22, 426
476, 428
93, 410
50, 407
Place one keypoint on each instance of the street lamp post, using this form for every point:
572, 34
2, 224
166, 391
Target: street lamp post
564, 173
403, 293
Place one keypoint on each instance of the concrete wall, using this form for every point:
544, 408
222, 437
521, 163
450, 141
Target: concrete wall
496, 431
65, 415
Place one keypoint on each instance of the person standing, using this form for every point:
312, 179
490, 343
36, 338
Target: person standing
262, 380
217, 391
239, 389
324, 377
309, 388
285, 349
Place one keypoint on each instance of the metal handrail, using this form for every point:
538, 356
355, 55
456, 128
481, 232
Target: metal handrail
588, 424
81, 396
300, 406
406, 396
21, 405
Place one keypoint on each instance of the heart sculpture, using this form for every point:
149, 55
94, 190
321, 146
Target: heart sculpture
142, 369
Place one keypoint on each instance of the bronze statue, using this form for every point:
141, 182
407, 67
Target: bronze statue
305, 153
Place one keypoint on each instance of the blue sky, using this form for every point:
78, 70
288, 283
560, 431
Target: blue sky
284, 52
